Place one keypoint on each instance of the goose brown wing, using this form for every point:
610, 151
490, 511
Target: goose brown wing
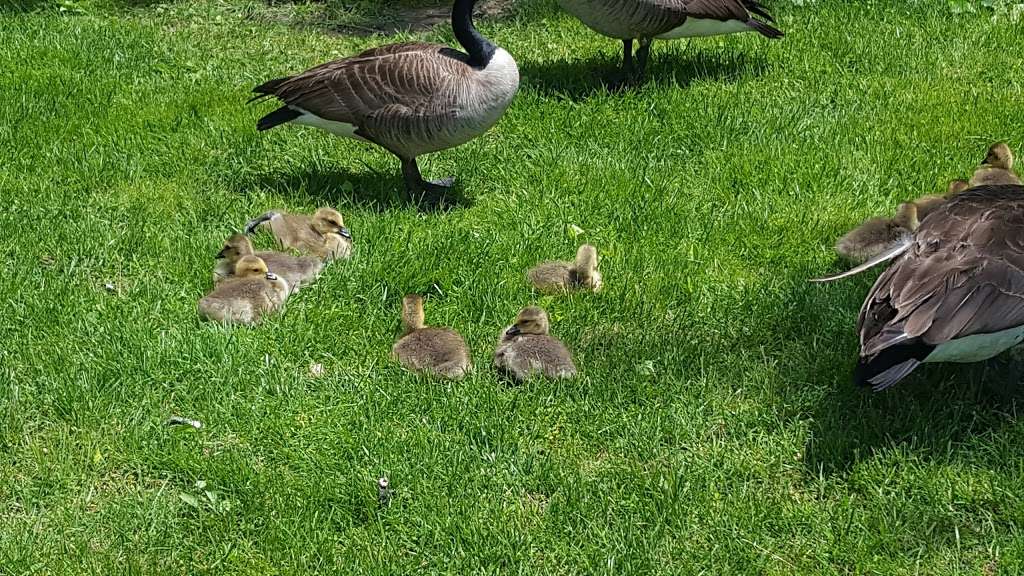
418, 79
963, 275
717, 9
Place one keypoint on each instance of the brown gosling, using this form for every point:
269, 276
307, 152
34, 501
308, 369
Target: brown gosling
525, 349
556, 277
875, 236
297, 271
426, 349
997, 169
323, 235
245, 298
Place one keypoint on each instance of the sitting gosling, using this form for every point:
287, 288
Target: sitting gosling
323, 235
876, 235
526, 349
997, 168
561, 276
427, 349
297, 271
245, 298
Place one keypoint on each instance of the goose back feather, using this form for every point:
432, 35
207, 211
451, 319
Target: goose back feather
957, 293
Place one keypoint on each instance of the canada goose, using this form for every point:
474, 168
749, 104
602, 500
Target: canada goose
997, 167
647, 20
440, 351
410, 99
245, 298
297, 271
561, 276
955, 295
323, 235
874, 236
526, 349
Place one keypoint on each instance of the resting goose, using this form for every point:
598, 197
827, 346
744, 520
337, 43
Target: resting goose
297, 271
323, 235
957, 293
525, 349
410, 99
647, 20
997, 167
244, 299
559, 276
427, 349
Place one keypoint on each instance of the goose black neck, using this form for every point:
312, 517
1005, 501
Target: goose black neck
480, 49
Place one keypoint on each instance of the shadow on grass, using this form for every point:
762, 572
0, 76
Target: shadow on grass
936, 408
368, 190
376, 17
581, 79
930, 413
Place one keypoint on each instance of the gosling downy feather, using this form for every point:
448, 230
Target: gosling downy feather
560, 276
247, 297
957, 295
647, 20
525, 349
426, 349
297, 271
323, 235
410, 99
996, 169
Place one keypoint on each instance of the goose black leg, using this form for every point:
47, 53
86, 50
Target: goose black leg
431, 193
624, 76
642, 55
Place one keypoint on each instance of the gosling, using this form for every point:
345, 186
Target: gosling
245, 298
429, 350
997, 168
297, 271
323, 235
560, 276
525, 349
877, 235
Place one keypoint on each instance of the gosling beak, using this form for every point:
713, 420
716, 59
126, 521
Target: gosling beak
222, 253
345, 232
513, 331
271, 276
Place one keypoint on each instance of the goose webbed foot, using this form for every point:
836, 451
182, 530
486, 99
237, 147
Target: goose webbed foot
430, 194
435, 193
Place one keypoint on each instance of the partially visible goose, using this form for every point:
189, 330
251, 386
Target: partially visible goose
297, 271
956, 295
323, 234
997, 167
410, 99
875, 236
647, 20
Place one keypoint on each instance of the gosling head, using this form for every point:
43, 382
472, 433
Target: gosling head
235, 247
956, 186
906, 216
531, 320
586, 261
329, 221
251, 267
412, 313
999, 156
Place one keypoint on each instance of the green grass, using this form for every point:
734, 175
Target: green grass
714, 428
